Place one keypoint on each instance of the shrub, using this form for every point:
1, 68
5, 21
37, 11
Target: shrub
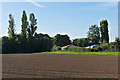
56, 48
76, 49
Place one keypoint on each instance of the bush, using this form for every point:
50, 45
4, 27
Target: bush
76, 49
89, 50
104, 46
56, 48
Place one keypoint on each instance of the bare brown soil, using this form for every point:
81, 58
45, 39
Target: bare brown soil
59, 66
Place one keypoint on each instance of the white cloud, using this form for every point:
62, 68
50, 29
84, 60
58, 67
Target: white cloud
36, 4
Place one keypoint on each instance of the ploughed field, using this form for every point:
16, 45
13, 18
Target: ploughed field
59, 66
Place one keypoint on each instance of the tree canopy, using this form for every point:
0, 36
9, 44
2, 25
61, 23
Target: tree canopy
11, 29
82, 42
94, 34
31, 41
104, 31
61, 40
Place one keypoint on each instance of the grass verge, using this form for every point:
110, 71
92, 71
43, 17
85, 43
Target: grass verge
82, 53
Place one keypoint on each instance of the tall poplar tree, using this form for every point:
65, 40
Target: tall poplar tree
11, 29
23, 36
24, 25
32, 27
31, 32
104, 31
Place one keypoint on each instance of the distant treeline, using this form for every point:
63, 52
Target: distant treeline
29, 41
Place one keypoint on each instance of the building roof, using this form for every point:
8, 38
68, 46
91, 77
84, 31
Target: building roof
71, 46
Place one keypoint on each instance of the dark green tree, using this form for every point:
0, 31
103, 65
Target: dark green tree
31, 32
74, 42
24, 25
5, 46
82, 42
11, 29
104, 31
32, 27
43, 42
117, 40
61, 40
94, 34
23, 37
9, 43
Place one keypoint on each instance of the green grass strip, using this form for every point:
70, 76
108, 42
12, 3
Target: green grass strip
82, 53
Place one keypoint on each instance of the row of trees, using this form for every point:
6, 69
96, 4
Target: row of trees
93, 35
98, 36
30, 41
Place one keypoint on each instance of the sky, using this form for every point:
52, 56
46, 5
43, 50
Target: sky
71, 18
